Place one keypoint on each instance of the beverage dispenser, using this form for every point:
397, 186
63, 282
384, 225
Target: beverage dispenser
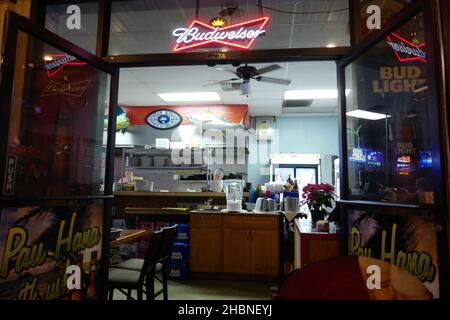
234, 191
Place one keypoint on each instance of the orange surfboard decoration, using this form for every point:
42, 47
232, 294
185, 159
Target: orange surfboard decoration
209, 116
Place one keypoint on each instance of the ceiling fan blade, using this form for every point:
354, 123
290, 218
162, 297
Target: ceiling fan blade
228, 70
236, 86
274, 80
231, 86
219, 82
270, 68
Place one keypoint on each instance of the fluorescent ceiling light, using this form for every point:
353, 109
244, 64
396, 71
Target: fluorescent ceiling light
367, 115
189, 96
331, 45
312, 94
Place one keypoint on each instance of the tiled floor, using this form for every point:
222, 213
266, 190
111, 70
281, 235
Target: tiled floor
212, 290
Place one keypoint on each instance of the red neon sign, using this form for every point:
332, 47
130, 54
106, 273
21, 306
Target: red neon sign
200, 34
406, 50
59, 61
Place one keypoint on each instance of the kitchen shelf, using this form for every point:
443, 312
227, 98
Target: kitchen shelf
154, 152
171, 169
150, 152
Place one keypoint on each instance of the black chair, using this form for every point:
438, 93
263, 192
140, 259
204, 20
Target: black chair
169, 236
135, 264
135, 279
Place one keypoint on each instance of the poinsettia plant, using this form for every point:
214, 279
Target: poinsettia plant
318, 197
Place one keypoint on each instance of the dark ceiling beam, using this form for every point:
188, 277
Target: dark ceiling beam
233, 57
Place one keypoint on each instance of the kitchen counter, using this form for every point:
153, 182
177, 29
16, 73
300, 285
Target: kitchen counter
154, 199
253, 214
156, 211
161, 213
312, 245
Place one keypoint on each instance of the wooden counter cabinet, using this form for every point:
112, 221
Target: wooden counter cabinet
312, 246
235, 244
264, 258
236, 251
205, 243
251, 244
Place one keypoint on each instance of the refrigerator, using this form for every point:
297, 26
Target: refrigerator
56, 167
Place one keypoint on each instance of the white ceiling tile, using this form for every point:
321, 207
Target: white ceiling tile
126, 76
138, 86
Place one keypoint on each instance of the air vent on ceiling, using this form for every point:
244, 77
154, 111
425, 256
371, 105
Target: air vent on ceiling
297, 103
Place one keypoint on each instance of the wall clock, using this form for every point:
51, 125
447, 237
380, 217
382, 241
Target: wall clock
163, 119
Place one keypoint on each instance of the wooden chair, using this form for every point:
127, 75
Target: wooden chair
134, 264
135, 279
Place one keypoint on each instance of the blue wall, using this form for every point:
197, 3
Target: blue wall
318, 135
309, 135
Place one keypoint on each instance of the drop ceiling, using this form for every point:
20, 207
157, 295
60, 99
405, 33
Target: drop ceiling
145, 26
140, 86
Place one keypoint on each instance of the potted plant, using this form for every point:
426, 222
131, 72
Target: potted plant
318, 197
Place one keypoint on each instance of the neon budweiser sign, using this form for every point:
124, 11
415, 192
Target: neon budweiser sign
406, 50
59, 61
74, 89
239, 36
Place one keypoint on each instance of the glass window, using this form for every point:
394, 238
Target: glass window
387, 10
56, 125
74, 21
391, 123
139, 27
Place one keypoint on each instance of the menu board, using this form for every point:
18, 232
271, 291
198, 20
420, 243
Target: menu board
49, 253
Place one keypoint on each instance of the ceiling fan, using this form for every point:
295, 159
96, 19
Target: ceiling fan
246, 73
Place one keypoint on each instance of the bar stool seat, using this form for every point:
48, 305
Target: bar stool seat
124, 278
134, 264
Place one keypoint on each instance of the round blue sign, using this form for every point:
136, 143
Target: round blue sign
163, 119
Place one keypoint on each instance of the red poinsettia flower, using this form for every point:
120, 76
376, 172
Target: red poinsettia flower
318, 197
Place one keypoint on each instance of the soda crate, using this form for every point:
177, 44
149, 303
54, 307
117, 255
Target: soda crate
183, 232
179, 272
179, 263
180, 251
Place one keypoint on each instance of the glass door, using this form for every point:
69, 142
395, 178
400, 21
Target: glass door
392, 197
306, 175
56, 142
